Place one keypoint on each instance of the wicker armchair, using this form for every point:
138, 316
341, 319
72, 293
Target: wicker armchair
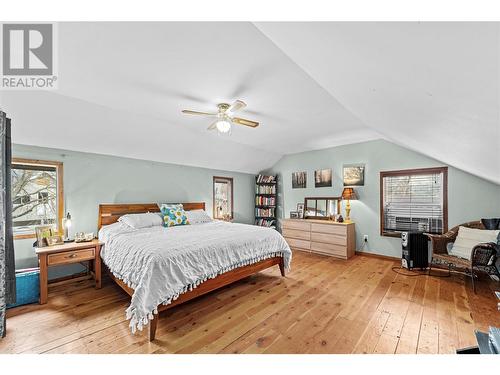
482, 257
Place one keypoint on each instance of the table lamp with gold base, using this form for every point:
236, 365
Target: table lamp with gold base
348, 194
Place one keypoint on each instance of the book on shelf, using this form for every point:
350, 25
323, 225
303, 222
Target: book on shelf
265, 201
265, 189
264, 212
270, 223
265, 179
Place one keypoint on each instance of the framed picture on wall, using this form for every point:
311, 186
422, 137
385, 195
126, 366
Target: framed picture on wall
299, 180
323, 178
354, 174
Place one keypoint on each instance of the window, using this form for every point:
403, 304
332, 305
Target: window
22, 199
37, 195
223, 198
414, 200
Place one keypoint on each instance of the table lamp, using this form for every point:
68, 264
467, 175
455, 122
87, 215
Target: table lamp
67, 225
348, 194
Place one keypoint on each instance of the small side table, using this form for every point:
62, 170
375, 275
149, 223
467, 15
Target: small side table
66, 254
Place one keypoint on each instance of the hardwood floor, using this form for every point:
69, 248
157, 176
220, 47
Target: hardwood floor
323, 306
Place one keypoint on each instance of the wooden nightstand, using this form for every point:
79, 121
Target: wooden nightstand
66, 254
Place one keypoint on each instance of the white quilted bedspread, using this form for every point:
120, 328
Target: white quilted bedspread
162, 263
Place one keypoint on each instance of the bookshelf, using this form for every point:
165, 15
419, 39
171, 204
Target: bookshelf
265, 201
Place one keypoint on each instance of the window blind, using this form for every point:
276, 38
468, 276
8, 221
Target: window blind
413, 202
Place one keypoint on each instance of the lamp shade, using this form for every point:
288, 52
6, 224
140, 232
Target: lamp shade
67, 222
349, 194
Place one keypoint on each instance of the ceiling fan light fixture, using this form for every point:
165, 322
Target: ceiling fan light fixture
223, 126
224, 118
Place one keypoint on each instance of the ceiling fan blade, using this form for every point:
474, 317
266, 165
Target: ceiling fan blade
213, 125
189, 112
236, 106
242, 121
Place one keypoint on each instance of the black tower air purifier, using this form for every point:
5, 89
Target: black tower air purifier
415, 250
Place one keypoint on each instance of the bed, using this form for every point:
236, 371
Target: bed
163, 267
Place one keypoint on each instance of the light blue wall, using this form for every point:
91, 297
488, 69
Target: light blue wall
469, 197
90, 179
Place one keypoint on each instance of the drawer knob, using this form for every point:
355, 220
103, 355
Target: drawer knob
72, 256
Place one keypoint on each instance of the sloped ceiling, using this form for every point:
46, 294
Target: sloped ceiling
430, 87
122, 87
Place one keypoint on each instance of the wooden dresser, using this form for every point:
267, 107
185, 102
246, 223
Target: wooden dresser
320, 236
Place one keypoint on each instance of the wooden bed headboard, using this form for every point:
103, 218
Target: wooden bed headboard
110, 213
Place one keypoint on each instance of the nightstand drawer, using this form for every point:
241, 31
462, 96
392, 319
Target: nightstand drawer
71, 256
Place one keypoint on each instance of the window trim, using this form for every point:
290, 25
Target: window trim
228, 179
60, 190
408, 172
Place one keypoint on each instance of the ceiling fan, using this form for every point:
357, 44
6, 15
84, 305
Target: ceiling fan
225, 116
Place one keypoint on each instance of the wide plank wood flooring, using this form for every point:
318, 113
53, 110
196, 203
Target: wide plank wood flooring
323, 306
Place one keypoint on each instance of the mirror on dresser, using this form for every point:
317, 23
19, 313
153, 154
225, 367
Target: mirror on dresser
321, 208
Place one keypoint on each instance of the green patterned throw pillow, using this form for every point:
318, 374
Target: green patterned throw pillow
173, 214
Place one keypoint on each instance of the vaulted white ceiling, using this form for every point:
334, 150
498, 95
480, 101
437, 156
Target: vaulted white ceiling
429, 87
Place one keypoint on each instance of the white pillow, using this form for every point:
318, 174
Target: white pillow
467, 238
198, 217
138, 221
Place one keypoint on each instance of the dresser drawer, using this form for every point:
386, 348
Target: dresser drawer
328, 248
329, 238
329, 228
300, 225
301, 244
71, 256
296, 233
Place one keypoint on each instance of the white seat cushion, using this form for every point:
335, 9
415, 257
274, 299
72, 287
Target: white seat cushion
467, 238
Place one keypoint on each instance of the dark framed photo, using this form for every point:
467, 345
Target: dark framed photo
294, 215
354, 175
299, 180
323, 178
